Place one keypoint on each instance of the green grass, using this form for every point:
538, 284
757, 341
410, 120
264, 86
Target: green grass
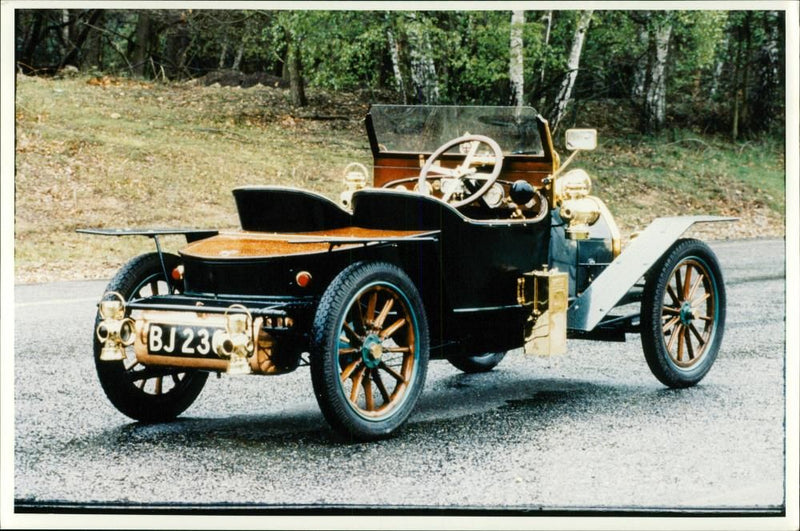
132, 154
656, 176
153, 155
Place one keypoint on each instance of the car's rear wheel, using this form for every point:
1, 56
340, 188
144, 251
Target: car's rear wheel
683, 314
478, 363
145, 393
369, 350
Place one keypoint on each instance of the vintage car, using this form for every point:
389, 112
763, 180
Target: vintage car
471, 242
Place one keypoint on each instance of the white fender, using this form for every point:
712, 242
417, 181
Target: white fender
613, 283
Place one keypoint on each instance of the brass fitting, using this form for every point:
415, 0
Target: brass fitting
577, 206
545, 331
581, 213
236, 342
355, 178
574, 184
115, 330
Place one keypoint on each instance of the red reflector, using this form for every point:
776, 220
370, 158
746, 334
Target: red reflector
177, 273
303, 279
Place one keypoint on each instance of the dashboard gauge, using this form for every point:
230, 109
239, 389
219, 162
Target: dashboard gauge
425, 189
494, 196
451, 187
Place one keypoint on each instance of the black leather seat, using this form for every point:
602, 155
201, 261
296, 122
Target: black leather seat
284, 209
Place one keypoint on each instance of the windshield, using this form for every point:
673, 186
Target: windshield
422, 129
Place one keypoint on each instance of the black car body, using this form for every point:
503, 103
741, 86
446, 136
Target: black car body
471, 242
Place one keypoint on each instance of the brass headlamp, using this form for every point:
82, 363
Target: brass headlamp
577, 207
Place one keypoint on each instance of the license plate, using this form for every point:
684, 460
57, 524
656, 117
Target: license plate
180, 340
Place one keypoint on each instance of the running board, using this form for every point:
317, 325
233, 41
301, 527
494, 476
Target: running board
613, 283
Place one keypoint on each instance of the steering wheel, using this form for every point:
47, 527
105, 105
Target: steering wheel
458, 184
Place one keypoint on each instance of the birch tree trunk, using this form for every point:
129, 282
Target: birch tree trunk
640, 74
423, 69
223, 53
573, 63
65, 42
718, 68
394, 53
655, 99
515, 67
549, 17
237, 61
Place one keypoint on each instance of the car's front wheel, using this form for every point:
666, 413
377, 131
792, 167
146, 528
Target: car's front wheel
369, 350
683, 313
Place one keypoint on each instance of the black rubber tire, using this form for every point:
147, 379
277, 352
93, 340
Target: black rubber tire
479, 363
116, 380
684, 253
339, 298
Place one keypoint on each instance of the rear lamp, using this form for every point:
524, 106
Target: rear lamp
177, 273
303, 279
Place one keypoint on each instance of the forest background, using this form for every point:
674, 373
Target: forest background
149, 117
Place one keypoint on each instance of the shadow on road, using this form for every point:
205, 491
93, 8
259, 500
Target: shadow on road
476, 402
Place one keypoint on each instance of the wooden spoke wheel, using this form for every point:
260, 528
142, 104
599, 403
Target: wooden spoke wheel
145, 393
688, 313
369, 350
683, 314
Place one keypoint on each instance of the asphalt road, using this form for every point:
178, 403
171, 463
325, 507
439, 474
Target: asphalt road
589, 430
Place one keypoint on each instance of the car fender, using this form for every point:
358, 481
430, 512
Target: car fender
603, 294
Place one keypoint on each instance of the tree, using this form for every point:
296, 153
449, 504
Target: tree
140, 52
753, 88
293, 24
92, 52
237, 60
654, 113
766, 96
548, 16
295, 64
714, 70
516, 73
642, 63
71, 56
178, 38
394, 54
473, 56
573, 63
423, 69
29, 34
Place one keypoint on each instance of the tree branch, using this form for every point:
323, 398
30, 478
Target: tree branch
106, 33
